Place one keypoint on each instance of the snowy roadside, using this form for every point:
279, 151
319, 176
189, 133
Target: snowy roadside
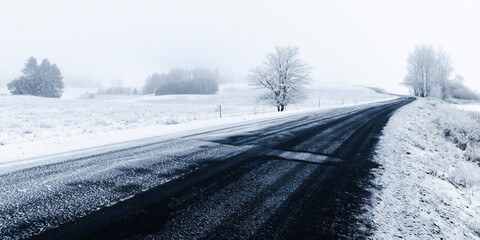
428, 182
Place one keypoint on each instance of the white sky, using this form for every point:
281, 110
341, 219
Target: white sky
357, 42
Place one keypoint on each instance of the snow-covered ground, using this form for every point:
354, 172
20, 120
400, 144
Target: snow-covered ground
470, 107
428, 182
33, 126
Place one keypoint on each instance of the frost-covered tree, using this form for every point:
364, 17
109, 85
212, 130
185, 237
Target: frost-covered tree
44, 80
284, 75
429, 71
429, 75
442, 72
178, 75
153, 82
50, 82
420, 67
457, 89
23, 84
181, 81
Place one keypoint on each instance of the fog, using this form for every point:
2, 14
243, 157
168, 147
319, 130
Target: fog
355, 42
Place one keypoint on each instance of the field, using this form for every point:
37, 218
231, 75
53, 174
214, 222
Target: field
33, 126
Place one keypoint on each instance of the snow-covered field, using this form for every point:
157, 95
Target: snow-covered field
428, 183
33, 126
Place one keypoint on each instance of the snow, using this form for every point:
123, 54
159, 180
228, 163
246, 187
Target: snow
33, 126
427, 187
470, 107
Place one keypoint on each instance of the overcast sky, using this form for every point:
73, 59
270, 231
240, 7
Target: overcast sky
356, 42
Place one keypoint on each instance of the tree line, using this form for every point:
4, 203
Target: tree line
181, 81
429, 73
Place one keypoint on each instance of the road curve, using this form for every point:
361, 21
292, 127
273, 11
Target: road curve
302, 177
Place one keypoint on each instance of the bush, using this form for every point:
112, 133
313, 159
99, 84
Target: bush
461, 128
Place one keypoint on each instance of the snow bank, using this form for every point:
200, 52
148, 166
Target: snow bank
428, 182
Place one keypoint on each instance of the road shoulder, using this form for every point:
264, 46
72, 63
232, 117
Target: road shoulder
427, 185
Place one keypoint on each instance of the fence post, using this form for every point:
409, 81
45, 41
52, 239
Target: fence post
220, 106
319, 103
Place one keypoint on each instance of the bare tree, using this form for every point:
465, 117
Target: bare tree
429, 75
284, 75
420, 64
429, 71
443, 70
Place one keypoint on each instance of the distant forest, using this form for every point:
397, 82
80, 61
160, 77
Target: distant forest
181, 81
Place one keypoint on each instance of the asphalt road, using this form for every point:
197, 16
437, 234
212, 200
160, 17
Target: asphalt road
304, 176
